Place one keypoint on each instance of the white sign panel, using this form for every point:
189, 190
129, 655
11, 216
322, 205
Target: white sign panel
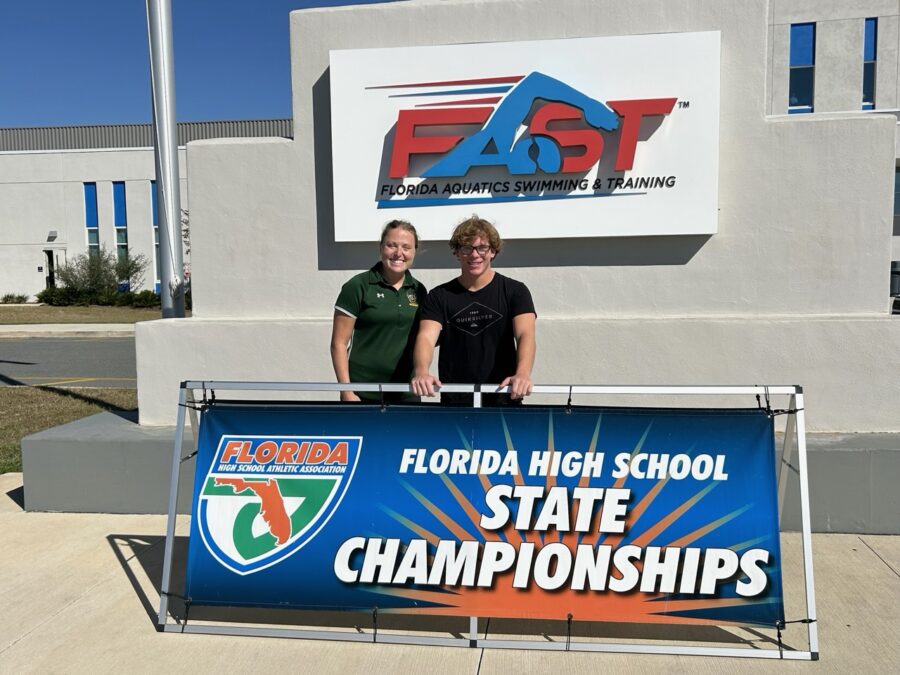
586, 137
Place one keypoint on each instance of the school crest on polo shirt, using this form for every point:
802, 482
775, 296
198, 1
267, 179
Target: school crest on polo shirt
413, 300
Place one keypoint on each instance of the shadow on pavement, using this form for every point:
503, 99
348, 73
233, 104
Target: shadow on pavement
130, 414
17, 495
85, 396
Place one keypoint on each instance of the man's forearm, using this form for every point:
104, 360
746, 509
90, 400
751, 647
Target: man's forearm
525, 352
423, 354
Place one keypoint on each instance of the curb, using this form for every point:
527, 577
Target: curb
62, 330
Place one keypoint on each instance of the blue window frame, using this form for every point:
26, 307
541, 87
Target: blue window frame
120, 220
90, 205
153, 206
801, 88
91, 221
120, 217
870, 53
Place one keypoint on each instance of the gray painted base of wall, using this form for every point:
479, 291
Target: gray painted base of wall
853, 481
107, 463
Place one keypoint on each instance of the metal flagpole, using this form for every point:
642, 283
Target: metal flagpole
165, 146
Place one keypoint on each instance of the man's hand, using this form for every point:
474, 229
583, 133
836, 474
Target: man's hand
348, 396
520, 386
425, 384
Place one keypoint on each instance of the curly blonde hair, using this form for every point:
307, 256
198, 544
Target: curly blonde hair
472, 227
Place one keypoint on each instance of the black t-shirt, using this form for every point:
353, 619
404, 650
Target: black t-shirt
477, 339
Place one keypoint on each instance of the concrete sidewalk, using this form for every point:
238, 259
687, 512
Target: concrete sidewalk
66, 330
79, 593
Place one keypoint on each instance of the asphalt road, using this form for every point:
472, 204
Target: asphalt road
68, 361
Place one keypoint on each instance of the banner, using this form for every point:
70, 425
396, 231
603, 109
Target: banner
608, 514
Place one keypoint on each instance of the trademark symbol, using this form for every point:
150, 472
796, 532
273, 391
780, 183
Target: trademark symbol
684, 104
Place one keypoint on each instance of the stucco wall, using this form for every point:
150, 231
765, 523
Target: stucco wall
795, 281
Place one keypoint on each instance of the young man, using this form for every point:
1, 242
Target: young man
485, 322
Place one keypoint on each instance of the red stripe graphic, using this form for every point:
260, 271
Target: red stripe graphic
483, 80
468, 101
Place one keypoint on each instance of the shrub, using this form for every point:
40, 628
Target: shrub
130, 270
92, 274
57, 296
13, 299
89, 274
145, 299
98, 278
106, 298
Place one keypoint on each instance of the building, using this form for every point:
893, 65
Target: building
65, 191
833, 57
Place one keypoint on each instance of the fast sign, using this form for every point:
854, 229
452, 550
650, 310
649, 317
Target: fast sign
556, 138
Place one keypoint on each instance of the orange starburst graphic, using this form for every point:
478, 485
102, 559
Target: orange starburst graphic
502, 599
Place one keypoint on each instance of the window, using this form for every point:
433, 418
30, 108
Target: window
155, 221
120, 220
122, 243
156, 246
803, 66
896, 192
869, 56
91, 222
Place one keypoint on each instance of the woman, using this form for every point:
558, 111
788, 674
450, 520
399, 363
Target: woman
376, 314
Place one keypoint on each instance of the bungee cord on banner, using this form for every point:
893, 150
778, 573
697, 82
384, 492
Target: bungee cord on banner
769, 410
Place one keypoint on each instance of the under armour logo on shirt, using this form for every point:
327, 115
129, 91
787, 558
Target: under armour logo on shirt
379, 295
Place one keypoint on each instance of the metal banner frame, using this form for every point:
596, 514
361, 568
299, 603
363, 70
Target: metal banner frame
794, 440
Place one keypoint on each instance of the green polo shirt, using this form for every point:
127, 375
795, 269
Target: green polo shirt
385, 330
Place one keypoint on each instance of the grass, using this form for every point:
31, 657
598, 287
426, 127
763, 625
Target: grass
27, 410
10, 315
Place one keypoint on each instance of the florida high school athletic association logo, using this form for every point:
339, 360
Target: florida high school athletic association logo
265, 497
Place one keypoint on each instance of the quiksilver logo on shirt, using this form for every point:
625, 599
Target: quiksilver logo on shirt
475, 318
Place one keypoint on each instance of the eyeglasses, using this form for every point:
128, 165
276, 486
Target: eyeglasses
482, 250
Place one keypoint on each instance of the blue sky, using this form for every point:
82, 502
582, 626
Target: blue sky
68, 62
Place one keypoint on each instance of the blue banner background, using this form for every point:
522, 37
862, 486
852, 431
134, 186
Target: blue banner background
746, 503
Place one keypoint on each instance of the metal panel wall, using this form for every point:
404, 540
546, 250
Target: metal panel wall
133, 135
